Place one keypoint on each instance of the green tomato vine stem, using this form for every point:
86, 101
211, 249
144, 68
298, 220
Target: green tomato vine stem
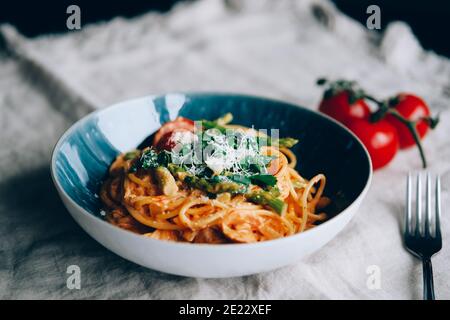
411, 125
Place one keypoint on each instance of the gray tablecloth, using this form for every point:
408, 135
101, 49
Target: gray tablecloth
271, 48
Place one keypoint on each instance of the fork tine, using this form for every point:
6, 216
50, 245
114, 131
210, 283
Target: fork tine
438, 207
418, 205
408, 215
427, 230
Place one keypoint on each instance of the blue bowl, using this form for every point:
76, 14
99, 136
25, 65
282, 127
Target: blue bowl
83, 154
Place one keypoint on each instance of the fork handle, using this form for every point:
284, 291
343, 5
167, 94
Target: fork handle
428, 286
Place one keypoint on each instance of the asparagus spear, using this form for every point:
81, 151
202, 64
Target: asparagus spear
266, 198
286, 142
205, 184
213, 125
215, 187
166, 181
225, 119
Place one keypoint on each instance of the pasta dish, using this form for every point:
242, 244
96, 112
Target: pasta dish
210, 181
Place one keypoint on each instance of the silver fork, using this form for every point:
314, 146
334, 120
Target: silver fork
423, 240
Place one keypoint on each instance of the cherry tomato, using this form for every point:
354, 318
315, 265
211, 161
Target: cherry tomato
380, 139
169, 140
412, 108
338, 107
178, 123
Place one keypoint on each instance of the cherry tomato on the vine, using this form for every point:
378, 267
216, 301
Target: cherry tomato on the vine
170, 140
412, 108
339, 108
380, 139
179, 123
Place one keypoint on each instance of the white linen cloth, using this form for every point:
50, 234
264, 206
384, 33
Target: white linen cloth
270, 48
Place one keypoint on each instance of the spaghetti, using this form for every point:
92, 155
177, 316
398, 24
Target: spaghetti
242, 192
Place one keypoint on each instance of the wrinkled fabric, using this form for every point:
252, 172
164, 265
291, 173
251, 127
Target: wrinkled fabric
271, 48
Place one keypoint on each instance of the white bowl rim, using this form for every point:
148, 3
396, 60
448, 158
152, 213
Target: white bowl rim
200, 246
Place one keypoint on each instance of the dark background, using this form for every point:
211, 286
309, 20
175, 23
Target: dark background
428, 19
